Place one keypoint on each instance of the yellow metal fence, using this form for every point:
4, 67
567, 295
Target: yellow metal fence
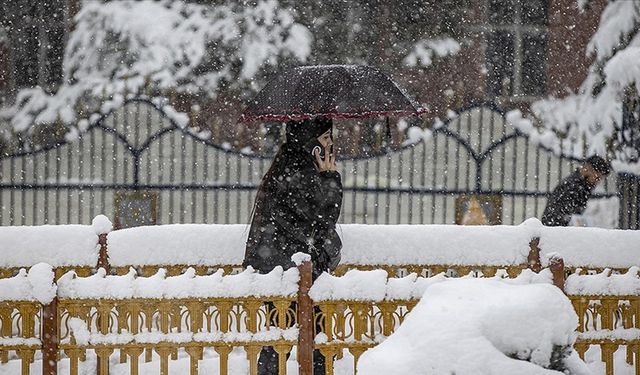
138, 329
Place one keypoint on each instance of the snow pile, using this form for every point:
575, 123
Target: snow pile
605, 283
187, 244
187, 285
131, 46
101, 224
35, 285
425, 51
480, 326
375, 285
58, 245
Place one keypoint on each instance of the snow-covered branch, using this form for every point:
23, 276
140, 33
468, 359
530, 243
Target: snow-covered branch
425, 51
592, 117
159, 46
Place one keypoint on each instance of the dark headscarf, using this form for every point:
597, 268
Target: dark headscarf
300, 133
290, 159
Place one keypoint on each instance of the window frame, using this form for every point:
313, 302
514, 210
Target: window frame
519, 32
43, 65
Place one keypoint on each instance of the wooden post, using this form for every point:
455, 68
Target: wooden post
556, 265
305, 320
533, 260
49, 337
103, 257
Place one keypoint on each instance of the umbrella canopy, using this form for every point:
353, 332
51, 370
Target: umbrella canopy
335, 91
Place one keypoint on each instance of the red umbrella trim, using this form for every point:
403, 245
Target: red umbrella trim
304, 116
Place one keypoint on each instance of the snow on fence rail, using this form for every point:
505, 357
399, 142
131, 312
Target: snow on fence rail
163, 316
399, 249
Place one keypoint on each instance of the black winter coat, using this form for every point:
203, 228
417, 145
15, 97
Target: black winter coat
568, 198
298, 213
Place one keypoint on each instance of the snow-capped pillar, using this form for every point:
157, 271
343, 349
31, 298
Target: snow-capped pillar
102, 226
305, 314
103, 256
533, 259
556, 265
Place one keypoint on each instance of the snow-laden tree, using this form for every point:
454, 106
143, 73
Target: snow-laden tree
155, 47
592, 118
217, 54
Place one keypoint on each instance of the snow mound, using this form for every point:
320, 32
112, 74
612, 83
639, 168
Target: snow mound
35, 285
481, 326
101, 224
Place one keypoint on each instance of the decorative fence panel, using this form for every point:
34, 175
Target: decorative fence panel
140, 147
128, 330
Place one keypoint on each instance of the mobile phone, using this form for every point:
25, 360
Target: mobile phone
314, 145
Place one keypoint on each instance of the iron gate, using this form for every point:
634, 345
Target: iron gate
139, 147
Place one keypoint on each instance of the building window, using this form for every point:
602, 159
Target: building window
36, 35
516, 47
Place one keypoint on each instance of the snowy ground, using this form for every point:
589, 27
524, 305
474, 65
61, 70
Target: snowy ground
238, 365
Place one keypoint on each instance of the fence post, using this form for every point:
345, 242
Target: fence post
49, 338
305, 320
533, 260
103, 262
556, 265
103, 256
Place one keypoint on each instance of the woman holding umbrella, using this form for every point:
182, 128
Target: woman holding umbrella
299, 199
296, 209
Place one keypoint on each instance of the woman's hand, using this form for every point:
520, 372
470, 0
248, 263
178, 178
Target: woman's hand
329, 161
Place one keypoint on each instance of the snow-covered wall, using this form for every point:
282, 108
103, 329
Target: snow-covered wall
215, 245
57, 245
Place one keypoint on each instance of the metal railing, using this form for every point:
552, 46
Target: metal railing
140, 147
195, 325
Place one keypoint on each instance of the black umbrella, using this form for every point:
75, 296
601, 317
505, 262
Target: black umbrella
335, 91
